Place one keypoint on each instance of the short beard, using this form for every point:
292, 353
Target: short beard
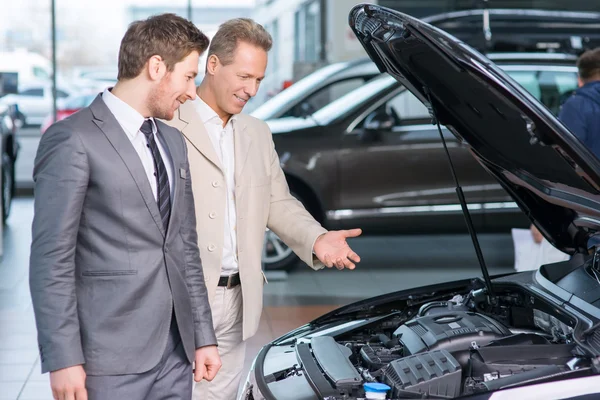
155, 104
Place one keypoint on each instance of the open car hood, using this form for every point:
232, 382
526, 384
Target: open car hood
550, 174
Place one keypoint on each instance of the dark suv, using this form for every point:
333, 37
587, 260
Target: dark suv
372, 159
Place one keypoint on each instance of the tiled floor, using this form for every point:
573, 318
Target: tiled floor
389, 264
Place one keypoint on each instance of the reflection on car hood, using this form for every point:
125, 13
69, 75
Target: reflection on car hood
553, 178
289, 124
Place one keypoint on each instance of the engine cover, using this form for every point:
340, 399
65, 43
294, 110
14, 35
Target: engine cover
450, 331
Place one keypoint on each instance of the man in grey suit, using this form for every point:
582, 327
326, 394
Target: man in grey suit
115, 274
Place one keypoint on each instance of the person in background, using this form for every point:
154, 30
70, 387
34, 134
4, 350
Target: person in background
581, 111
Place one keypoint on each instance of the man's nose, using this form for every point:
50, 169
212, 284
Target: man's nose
191, 90
252, 88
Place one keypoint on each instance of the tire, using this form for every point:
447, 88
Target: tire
277, 256
8, 186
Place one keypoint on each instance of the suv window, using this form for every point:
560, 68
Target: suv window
36, 92
324, 96
551, 87
61, 95
406, 107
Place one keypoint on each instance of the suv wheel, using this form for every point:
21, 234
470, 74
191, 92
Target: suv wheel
277, 255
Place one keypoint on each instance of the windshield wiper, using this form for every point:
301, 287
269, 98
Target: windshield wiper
463, 203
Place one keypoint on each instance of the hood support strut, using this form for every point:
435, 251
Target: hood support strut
463, 203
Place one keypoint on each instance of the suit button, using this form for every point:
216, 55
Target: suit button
215, 183
212, 215
211, 247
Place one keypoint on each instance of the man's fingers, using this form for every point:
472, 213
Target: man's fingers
349, 264
328, 262
353, 232
353, 257
200, 371
69, 394
211, 372
339, 263
81, 394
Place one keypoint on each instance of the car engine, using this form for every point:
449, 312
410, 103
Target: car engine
439, 349
448, 349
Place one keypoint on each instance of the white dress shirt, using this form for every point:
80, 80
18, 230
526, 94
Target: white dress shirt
222, 140
131, 121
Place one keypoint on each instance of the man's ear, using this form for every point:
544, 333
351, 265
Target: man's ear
212, 63
156, 67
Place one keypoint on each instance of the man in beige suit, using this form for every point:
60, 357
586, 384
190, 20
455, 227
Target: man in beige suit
239, 190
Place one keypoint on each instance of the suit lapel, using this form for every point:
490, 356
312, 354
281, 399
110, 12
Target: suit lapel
242, 141
106, 121
192, 127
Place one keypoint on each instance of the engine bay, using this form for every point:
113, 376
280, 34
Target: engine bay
443, 349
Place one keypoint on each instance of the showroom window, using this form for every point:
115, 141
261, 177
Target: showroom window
308, 32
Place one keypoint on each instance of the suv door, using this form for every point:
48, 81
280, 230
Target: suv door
393, 164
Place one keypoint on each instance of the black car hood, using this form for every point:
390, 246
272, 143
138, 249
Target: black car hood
553, 178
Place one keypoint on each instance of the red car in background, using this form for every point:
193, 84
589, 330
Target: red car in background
70, 106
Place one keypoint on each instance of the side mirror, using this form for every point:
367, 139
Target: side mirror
306, 110
377, 122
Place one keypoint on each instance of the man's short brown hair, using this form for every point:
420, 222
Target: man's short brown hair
588, 65
237, 30
169, 36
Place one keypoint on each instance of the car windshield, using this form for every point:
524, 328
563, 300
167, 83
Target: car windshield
350, 100
298, 89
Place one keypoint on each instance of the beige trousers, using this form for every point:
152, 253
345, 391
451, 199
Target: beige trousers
227, 321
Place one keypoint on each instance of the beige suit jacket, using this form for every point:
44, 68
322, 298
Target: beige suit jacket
262, 199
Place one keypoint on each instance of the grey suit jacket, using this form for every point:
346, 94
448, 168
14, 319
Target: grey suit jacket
104, 277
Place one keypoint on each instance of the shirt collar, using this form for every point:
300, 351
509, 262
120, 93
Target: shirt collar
126, 116
208, 115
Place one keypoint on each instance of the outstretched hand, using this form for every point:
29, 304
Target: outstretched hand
332, 249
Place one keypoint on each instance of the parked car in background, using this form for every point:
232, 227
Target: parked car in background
9, 127
318, 89
529, 335
35, 100
70, 106
488, 30
372, 159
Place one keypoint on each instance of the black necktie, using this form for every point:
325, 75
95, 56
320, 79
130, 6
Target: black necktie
163, 198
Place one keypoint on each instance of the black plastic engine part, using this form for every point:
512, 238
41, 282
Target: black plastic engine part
377, 357
435, 373
333, 360
456, 330
532, 375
